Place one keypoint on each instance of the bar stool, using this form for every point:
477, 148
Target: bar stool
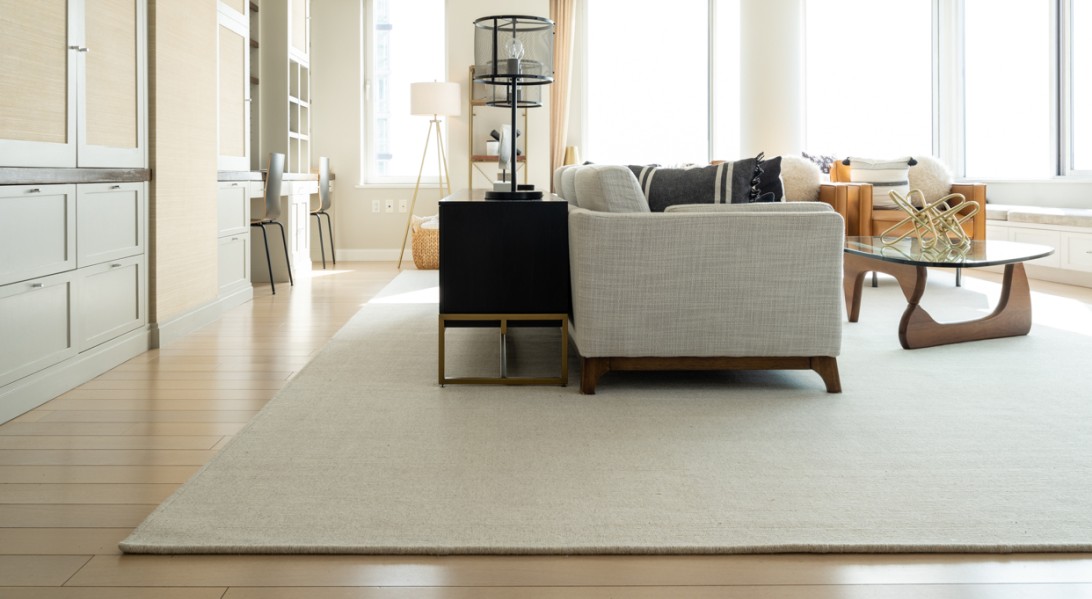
272, 213
324, 205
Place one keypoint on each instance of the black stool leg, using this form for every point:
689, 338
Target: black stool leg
321, 246
330, 227
268, 260
287, 261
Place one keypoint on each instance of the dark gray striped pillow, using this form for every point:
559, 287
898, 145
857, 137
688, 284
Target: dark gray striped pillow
738, 182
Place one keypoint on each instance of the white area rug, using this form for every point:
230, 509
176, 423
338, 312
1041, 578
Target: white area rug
981, 447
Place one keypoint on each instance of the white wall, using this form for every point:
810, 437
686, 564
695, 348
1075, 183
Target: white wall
335, 122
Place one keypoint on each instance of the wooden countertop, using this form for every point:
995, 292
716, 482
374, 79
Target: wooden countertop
47, 176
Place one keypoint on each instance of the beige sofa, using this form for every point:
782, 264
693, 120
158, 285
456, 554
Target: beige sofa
707, 286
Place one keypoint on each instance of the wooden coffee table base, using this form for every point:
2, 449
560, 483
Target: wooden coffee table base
917, 329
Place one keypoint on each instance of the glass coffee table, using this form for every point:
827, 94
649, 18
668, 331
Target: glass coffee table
908, 262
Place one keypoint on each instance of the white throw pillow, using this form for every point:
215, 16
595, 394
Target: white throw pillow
884, 175
932, 177
801, 178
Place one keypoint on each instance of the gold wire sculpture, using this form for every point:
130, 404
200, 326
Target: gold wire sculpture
937, 225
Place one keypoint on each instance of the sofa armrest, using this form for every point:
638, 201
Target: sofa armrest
707, 283
852, 200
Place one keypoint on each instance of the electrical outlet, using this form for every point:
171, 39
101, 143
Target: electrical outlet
388, 205
403, 205
375, 206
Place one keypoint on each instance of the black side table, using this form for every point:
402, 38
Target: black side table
504, 263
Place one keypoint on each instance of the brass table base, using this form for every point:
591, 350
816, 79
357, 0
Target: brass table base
503, 378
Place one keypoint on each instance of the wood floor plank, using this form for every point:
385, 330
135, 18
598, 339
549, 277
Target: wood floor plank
292, 571
90, 442
250, 384
73, 516
96, 474
158, 404
61, 541
80, 393
85, 493
105, 457
38, 570
110, 593
211, 373
150, 416
138, 429
908, 591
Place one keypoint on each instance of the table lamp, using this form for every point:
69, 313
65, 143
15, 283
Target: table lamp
511, 52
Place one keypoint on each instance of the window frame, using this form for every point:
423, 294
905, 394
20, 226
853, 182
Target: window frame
372, 92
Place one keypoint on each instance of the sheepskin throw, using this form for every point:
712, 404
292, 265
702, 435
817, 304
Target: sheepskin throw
932, 177
801, 178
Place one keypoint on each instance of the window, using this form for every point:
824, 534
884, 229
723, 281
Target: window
1080, 96
869, 78
647, 83
1007, 89
403, 43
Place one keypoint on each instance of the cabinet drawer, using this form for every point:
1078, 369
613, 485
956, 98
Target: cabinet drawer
109, 222
35, 325
232, 208
234, 256
37, 231
1077, 254
998, 232
110, 301
1041, 237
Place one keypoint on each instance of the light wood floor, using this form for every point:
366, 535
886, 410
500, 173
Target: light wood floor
77, 474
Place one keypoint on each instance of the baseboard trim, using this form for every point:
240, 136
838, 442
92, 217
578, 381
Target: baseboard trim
36, 389
165, 333
377, 255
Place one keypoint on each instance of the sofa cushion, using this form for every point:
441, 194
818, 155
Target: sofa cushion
737, 182
608, 188
884, 175
1043, 215
568, 184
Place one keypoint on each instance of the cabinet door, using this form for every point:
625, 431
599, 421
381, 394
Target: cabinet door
38, 119
299, 42
1041, 237
233, 208
111, 84
234, 92
37, 231
109, 221
234, 262
110, 301
35, 325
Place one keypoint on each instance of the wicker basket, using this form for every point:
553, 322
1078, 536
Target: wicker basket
425, 245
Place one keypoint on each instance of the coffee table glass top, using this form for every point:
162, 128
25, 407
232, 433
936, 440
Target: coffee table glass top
980, 253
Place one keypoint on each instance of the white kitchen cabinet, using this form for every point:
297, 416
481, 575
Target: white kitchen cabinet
109, 222
74, 83
37, 231
36, 320
110, 299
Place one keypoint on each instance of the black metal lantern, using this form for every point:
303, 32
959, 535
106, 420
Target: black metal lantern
513, 52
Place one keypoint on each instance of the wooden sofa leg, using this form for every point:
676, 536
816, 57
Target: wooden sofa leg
590, 371
827, 367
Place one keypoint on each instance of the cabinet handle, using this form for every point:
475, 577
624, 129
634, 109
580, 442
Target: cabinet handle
36, 285
35, 190
234, 184
79, 48
115, 266
237, 239
115, 187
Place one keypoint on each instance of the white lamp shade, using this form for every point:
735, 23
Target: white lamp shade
435, 97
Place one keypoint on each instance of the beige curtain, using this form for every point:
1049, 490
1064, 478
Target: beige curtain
561, 12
